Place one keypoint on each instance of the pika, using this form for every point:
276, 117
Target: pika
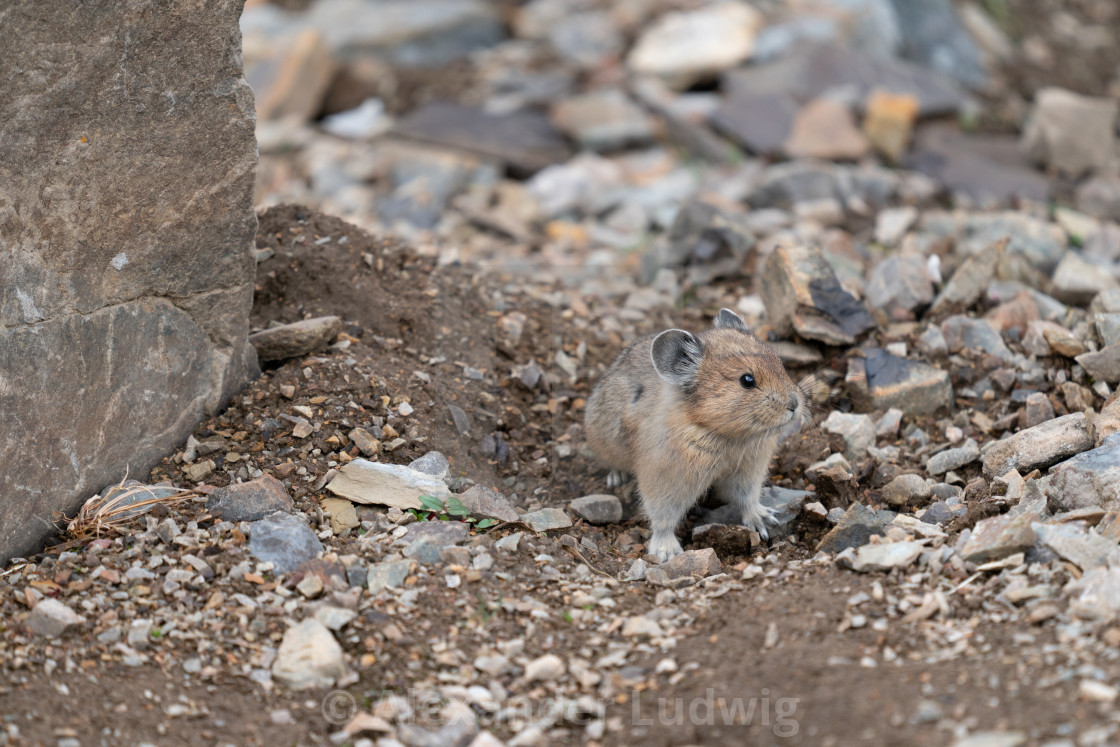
686, 412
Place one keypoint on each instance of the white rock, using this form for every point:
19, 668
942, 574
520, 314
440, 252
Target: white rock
308, 657
363, 481
545, 669
52, 618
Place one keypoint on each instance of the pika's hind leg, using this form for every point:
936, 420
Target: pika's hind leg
616, 478
744, 489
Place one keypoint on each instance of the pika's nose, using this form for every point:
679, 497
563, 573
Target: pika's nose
793, 402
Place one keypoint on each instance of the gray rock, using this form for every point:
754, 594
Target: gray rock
814, 69
546, 520
433, 463
966, 333
308, 657
423, 551
801, 292
934, 37
283, 540
598, 509
362, 481
1077, 281
1036, 411
1103, 365
881, 381
853, 530
940, 512
51, 618
126, 320
443, 533
1038, 447
705, 241
295, 340
1067, 132
932, 343
1083, 547
899, 285
587, 40
459, 728
603, 120
1038, 241
508, 543
856, 431
882, 557
907, 489
968, 283
1100, 196
525, 140
690, 563
488, 503
250, 501
951, 459
388, 574
761, 123
1091, 478
998, 537
785, 185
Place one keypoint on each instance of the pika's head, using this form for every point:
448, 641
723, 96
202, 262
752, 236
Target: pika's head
730, 383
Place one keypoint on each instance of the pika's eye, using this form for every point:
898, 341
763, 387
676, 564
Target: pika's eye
747, 381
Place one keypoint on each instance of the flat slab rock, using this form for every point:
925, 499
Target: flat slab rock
362, 481
125, 320
296, 339
284, 540
598, 509
488, 503
885, 556
546, 519
250, 501
1091, 478
854, 529
688, 564
1038, 447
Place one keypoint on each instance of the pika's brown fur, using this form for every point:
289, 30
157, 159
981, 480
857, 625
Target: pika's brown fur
675, 410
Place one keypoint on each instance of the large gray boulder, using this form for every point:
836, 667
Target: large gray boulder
127, 160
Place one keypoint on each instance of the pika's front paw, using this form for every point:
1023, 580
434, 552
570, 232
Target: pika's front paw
664, 547
758, 518
616, 477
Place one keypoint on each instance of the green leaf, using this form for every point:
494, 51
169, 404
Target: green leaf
431, 503
486, 523
455, 507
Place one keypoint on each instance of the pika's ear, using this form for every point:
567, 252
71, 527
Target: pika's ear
676, 356
728, 319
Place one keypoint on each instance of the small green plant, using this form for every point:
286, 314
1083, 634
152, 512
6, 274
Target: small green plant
432, 508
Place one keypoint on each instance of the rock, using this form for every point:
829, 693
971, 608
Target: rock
1103, 365
283, 540
546, 520
1068, 132
603, 120
906, 489
992, 739
891, 225
933, 36
524, 140
488, 503
939, 512
709, 243
424, 551
883, 557
969, 282
786, 185
442, 533
1061, 341
853, 530
1100, 196
295, 340
1107, 422
250, 501
900, 285
547, 668
1099, 596
365, 441
460, 728
1038, 447
343, 515
932, 343
587, 40
433, 463
1077, 281
689, 563
800, 290
952, 459
51, 618
814, 69
761, 123
508, 543
597, 509
1037, 410
125, 319
998, 537
365, 121
889, 122
292, 80
688, 46
965, 333
881, 381
308, 657
856, 431
824, 128
368, 482
1083, 547
1091, 478
987, 168
388, 574
641, 626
